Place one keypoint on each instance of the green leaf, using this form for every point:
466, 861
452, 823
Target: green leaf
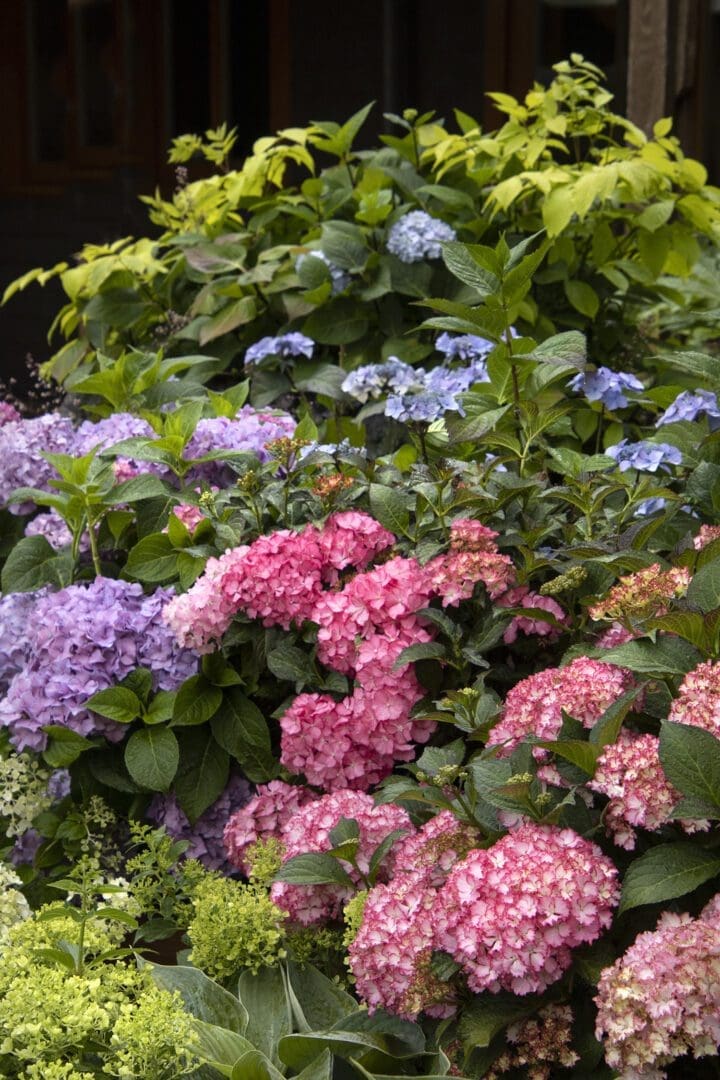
117, 703
488, 1014
400, 1038
202, 997
195, 702
665, 872
152, 757
698, 364
241, 729
704, 589
390, 508
583, 298
576, 751
147, 486
339, 322
64, 746
219, 1046
323, 1001
605, 731
690, 757
344, 245
235, 314
152, 559
254, 1066
160, 708
263, 995
313, 868
299, 1051
290, 663
568, 348
430, 650
461, 262
320, 1069
202, 773
666, 656
31, 564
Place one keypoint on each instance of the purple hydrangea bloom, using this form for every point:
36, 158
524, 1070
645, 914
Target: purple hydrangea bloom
83, 639
339, 278
417, 236
16, 622
421, 408
25, 848
344, 447
456, 380
689, 405
22, 444
53, 528
292, 344
464, 346
113, 429
205, 837
58, 786
250, 431
645, 456
606, 386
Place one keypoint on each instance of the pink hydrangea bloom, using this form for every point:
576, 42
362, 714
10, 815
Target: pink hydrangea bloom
390, 955
262, 818
356, 742
278, 578
8, 413
584, 689
525, 624
661, 1000
616, 634
630, 774
309, 830
511, 915
453, 577
707, 534
433, 850
698, 700
469, 535
351, 538
200, 617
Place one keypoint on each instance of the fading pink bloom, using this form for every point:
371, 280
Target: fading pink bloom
661, 1000
630, 774
469, 535
433, 850
512, 914
200, 617
453, 577
584, 689
615, 635
707, 534
698, 700
309, 830
538, 1045
525, 624
262, 818
643, 594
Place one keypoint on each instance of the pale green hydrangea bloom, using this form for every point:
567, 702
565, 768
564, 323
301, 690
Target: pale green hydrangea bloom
13, 905
23, 792
234, 927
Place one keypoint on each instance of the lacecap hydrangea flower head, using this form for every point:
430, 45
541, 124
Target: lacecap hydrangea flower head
290, 344
689, 405
645, 456
606, 386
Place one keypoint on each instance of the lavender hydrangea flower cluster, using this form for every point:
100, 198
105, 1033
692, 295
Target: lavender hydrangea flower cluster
22, 444
645, 456
53, 528
689, 405
606, 386
16, 620
339, 278
417, 236
374, 380
205, 837
8, 413
250, 431
83, 639
292, 344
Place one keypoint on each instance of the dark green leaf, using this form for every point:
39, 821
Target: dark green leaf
666, 656
195, 702
117, 703
241, 729
152, 559
426, 650
390, 508
31, 564
202, 773
665, 872
263, 995
313, 868
152, 756
704, 589
690, 757
202, 997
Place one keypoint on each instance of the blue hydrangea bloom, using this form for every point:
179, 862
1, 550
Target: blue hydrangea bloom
650, 506
417, 236
344, 447
373, 380
645, 456
339, 278
689, 405
292, 344
606, 386
421, 408
464, 346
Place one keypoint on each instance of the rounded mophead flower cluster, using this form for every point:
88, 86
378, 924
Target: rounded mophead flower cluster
263, 817
511, 915
698, 700
417, 236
